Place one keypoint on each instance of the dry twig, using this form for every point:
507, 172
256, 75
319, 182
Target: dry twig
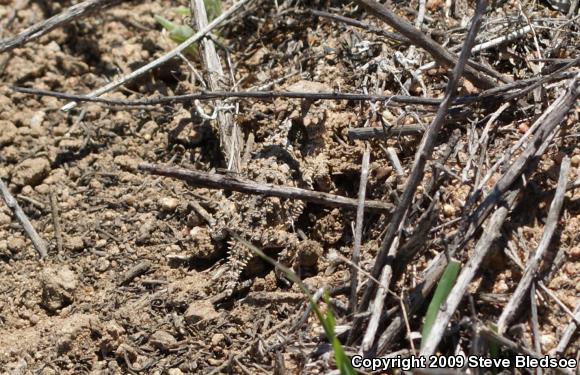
521, 291
231, 182
36, 31
163, 59
11, 202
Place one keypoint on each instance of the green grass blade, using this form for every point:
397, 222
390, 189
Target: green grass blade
213, 9
443, 288
326, 320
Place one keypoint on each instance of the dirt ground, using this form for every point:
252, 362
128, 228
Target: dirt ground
77, 311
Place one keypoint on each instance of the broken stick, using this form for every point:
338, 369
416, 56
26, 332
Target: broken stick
231, 182
11, 202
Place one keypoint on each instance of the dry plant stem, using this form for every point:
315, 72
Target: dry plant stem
11, 202
231, 182
356, 23
553, 116
440, 54
424, 153
259, 95
362, 189
568, 332
230, 134
379, 301
393, 131
513, 346
492, 232
163, 59
56, 221
534, 322
533, 264
70, 14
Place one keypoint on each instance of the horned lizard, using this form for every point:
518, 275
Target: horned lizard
267, 222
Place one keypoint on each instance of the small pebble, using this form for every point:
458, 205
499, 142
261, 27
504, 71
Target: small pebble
448, 210
523, 128
575, 161
168, 204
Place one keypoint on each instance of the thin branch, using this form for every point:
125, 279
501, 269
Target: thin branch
423, 153
356, 23
490, 335
11, 202
521, 291
568, 332
163, 59
362, 189
229, 131
61, 19
552, 117
384, 132
230, 182
259, 95
439, 53
493, 229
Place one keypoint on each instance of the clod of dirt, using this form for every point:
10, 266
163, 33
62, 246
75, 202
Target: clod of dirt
31, 172
200, 310
203, 247
75, 244
162, 340
58, 288
71, 331
308, 253
8, 132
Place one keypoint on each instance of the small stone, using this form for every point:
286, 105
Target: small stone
162, 340
37, 119
31, 172
102, 264
5, 219
75, 244
123, 349
114, 329
7, 132
548, 341
523, 128
308, 254
16, 244
58, 286
168, 204
127, 163
200, 310
575, 161
217, 339
448, 210
574, 253
174, 371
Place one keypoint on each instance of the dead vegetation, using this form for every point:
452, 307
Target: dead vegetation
363, 145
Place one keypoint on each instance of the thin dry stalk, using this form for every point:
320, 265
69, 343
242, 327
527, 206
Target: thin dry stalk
230, 182
11, 202
492, 232
70, 14
229, 131
440, 54
423, 154
163, 59
362, 189
533, 264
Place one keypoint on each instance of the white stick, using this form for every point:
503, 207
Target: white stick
163, 59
